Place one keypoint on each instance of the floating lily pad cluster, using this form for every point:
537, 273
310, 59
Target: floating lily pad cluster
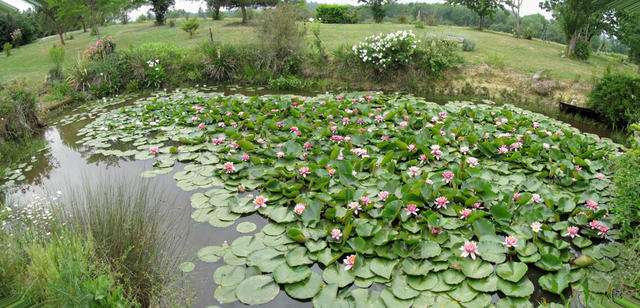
382, 200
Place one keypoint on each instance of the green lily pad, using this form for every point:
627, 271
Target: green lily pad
401, 289
512, 271
245, 245
337, 274
305, 289
257, 290
187, 267
246, 227
284, 274
225, 295
522, 288
383, 267
475, 269
266, 259
489, 284
229, 275
211, 253
463, 293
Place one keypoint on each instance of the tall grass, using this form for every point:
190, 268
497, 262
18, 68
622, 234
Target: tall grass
131, 231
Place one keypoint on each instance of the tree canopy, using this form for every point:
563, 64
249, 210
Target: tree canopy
481, 7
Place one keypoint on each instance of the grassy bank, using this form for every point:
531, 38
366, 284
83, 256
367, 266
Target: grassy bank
497, 49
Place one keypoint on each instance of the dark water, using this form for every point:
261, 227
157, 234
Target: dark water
66, 164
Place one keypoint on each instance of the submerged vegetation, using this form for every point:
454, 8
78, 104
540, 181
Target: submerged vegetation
420, 199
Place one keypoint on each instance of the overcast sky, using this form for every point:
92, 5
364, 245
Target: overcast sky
528, 6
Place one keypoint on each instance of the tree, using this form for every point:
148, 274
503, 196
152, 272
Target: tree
59, 15
628, 32
515, 9
579, 19
97, 10
243, 4
160, 8
481, 7
377, 8
214, 7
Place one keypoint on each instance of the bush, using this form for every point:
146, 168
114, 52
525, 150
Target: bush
626, 203
386, 51
282, 40
583, 50
27, 24
7, 48
107, 76
78, 74
402, 19
468, 44
616, 98
437, 55
56, 55
101, 49
529, 34
18, 109
190, 26
172, 23
289, 83
419, 25
223, 62
336, 14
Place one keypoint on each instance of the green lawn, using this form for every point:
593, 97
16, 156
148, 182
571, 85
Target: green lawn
31, 61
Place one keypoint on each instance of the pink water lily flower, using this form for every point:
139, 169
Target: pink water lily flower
477, 206
412, 147
469, 249
194, 119
383, 195
464, 149
355, 206
423, 158
294, 129
280, 154
442, 202
572, 231
516, 196
472, 161
603, 230
228, 167
260, 201
299, 208
510, 241
435, 231
600, 176
349, 261
536, 198
304, 171
592, 204
365, 200
447, 175
201, 126
413, 171
336, 234
307, 145
332, 172
437, 154
465, 213
153, 150
503, 150
403, 124
594, 224
412, 209
536, 227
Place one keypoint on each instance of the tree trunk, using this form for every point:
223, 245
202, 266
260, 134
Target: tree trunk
601, 45
572, 43
95, 26
244, 14
518, 30
84, 26
480, 22
216, 15
61, 37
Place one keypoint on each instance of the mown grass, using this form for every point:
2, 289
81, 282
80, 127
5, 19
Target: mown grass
31, 61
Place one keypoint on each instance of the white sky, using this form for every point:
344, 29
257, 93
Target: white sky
528, 6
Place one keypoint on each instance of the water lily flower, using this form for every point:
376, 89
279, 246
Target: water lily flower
536, 198
600, 176
153, 150
477, 205
384, 138
337, 138
535, 125
354, 173
435, 231
195, 119
591, 204
383, 195
515, 146
472, 161
412, 209
465, 213
280, 154
428, 181
503, 150
545, 146
442, 202
332, 172
403, 124
355, 206
201, 126
336, 234
307, 145
464, 149
594, 224
304, 171
294, 129
349, 261
260, 140
437, 154
603, 230
412, 147
245, 157
365, 200
572, 231
228, 166
510, 241
448, 175
413, 171
299, 208
469, 249
423, 158
516, 196
536, 227
260, 201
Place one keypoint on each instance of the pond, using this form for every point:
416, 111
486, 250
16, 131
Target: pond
360, 191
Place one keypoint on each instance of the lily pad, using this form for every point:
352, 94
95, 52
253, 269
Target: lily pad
257, 290
229, 275
246, 227
512, 271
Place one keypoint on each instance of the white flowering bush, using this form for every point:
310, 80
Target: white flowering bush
387, 51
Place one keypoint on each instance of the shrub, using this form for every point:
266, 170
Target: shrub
56, 55
468, 44
288, 83
134, 63
190, 26
27, 23
402, 19
282, 40
583, 50
107, 76
616, 98
155, 74
419, 25
221, 62
431, 21
437, 55
336, 14
386, 51
626, 202
529, 34
101, 49
78, 74
18, 109
16, 37
314, 27
172, 23
7, 48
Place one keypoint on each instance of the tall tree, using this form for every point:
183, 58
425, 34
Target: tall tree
481, 7
628, 32
243, 4
160, 8
377, 8
515, 9
214, 7
579, 19
97, 10
59, 15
